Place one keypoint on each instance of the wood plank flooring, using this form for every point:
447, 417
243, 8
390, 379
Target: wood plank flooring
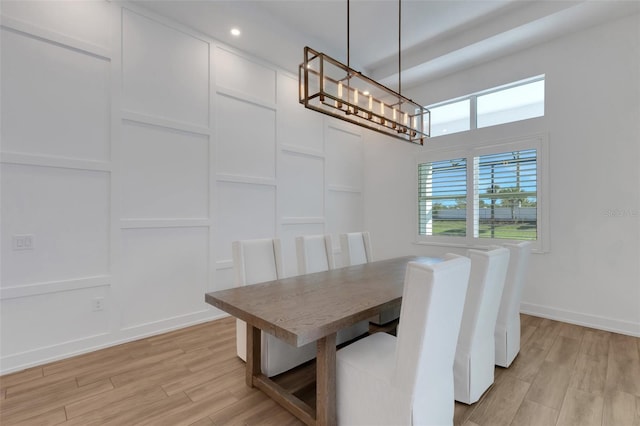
565, 375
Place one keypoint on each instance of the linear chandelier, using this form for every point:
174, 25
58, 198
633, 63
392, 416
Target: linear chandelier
335, 89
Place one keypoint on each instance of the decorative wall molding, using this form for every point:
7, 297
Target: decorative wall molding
289, 220
343, 188
165, 223
251, 180
224, 264
49, 36
343, 127
234, 94
136, 117
52, 161
300, 150
54, 287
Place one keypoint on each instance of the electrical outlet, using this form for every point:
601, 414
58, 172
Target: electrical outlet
23, 242
97, 304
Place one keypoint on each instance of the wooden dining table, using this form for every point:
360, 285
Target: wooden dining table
312, 308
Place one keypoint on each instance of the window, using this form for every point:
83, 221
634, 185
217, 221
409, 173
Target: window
507, 204
504, 104
450, 118
484, 195
443, 198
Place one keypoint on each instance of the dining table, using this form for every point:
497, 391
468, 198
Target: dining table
312, 308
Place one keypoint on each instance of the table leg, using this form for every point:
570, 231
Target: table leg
254, 354
326, 381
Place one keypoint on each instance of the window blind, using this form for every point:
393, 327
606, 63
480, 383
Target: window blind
443, 197
506, 185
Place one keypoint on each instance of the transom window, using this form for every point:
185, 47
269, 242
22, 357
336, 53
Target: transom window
504, 104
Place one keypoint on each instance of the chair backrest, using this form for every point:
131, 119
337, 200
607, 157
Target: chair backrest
486, 282
430, 318
356, 248
519, 254
315, 253
256, 261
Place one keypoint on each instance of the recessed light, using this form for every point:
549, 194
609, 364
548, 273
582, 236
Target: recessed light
235, 32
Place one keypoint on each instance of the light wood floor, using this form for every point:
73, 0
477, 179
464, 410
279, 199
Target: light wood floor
564, 375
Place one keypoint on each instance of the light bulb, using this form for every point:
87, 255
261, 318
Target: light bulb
340, 90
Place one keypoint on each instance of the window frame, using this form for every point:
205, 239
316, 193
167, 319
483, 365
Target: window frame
539, 142
473, 103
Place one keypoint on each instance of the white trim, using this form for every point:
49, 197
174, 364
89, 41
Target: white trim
308, 152
252, 180
37, 289
224, 264
53, 37
164, 223
243, 97
302, 220
138, 118
53, 161
337, 124
585, 320
343, 188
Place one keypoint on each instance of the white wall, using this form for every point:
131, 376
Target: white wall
135, 151
591, 274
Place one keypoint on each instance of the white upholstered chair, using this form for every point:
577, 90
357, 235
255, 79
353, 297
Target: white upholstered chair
475, 354
408, 380
315, 254
256, 261
507, 332
356, 250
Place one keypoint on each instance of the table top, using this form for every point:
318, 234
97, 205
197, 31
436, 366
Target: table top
305, 308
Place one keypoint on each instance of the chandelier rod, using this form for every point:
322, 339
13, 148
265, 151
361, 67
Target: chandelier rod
348, 51
399, 47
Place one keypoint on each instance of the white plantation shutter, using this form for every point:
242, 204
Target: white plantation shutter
502, 203
443, 197
506, 184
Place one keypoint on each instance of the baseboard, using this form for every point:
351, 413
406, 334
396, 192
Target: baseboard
44, 355
592, 321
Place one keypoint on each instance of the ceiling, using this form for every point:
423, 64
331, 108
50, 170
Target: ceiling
437, 36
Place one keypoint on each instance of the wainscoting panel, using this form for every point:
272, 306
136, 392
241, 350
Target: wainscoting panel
344, 212
246, 138
301, 185
165, 173
297, 126
245, 76
38, 322
165, 72
164, 273
66, 211
245, 211
85, 21
55, 99
344, 155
